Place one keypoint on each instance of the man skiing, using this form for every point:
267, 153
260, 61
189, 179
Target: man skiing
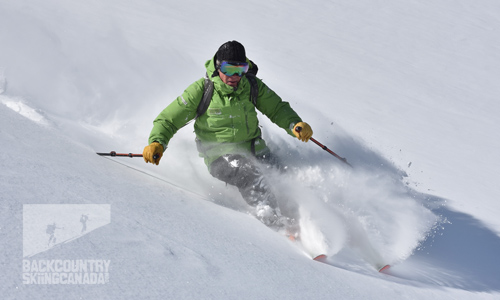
227, 134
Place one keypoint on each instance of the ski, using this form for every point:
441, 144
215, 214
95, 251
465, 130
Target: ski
384, 269
323, 258
320, 258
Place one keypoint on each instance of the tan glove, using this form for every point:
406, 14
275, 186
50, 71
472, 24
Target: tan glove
153, 153
302, 131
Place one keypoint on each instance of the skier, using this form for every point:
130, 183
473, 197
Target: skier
228, 135
83, 219
51, 231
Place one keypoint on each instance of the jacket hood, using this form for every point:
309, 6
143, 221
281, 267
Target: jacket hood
210, 67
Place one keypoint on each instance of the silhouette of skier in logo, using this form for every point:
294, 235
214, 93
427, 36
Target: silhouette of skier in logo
51, 230
83, 220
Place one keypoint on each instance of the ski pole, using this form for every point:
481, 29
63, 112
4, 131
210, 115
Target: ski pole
299, 129
131, 155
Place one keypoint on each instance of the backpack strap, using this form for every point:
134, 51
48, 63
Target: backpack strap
208, 91
254, 88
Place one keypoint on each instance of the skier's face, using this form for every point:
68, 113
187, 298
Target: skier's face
230, 80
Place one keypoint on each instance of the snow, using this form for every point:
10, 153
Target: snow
406, 91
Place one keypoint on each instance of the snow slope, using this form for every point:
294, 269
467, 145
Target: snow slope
405, 91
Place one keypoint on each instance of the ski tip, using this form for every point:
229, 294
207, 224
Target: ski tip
384, 268
321, 257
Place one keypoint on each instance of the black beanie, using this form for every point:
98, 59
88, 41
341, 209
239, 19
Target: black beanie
231, 51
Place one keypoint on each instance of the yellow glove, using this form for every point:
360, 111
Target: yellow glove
302, 131
153, 153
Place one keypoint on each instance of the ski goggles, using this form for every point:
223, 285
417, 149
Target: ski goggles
231, 68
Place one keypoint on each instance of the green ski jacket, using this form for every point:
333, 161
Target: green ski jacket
230, 124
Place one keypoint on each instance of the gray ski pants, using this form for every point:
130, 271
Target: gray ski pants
245, 174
